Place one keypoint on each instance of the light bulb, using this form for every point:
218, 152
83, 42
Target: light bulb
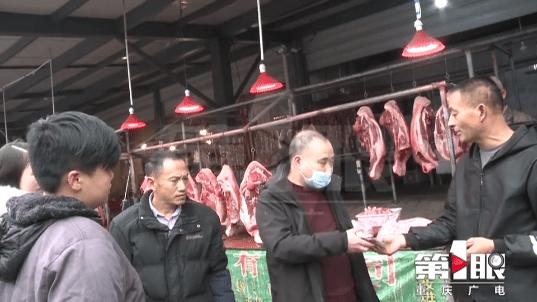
172, 148
523, 46
143, 146
440, 3
203, 132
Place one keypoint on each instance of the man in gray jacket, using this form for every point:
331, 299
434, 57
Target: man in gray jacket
51, 246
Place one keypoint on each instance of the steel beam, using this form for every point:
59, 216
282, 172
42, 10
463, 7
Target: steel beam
135, 17
221, 71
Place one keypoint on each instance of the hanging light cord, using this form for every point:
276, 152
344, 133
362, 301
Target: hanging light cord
52, 83
127, 185
418, 9
260, 31
127, 52
31, 73
5, 117
182, 44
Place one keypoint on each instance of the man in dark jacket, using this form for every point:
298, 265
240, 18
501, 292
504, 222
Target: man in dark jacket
175, 244
493, 197
313, 254
52, 248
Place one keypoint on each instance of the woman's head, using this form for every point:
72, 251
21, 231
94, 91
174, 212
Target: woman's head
15, 169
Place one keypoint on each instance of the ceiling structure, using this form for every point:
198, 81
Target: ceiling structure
215, 39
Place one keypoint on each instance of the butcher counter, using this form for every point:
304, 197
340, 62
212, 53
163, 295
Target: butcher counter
394, 277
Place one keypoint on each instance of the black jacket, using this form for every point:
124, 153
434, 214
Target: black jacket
187, 263
294, 253
498, 202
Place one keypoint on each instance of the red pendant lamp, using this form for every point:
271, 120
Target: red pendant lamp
421, 44
188, 105
264, 82
132, 122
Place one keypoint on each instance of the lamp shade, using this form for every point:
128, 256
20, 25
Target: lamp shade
188, 105
132, 122
422, 45
265, 83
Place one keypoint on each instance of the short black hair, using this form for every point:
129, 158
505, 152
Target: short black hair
481, 90
70, 141
154, 164
13, 161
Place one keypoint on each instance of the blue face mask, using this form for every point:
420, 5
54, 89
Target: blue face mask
318, 179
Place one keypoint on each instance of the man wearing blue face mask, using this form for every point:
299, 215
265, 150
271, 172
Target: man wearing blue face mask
312, 252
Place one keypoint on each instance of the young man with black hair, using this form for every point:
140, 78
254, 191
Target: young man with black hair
493, 195
175, 244
52, 247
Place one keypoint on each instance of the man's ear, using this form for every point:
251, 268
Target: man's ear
74, 180
296, 160
151, 182
483, 111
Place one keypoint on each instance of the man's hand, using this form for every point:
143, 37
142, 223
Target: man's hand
392, 244
479, 245
357, 244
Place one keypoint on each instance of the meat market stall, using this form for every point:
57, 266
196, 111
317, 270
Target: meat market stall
410, 129
234, 201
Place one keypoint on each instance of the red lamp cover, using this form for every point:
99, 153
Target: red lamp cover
132, 123
265, 83
422, 45
188, 106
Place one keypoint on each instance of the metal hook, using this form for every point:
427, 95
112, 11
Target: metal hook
414, 83
446, 75
391, 81
365, 88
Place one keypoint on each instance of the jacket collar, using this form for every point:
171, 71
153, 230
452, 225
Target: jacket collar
27, 217
33, 208
521, 139
145, 215
6, 192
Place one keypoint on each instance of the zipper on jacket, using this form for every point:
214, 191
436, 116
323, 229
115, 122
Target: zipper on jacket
166, 235
480, 202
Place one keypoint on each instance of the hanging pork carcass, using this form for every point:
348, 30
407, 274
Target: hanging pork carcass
211, 193
421, 134
232, 198
370, 135
192, 189
255, 176
441, 139
393, 120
